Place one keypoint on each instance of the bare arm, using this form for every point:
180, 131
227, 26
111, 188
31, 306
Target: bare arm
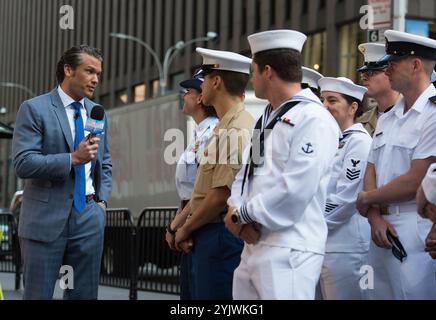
400, 189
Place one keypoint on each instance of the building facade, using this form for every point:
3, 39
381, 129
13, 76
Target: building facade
33, 36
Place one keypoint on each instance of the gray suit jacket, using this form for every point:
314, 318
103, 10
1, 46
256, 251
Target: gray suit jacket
42, 144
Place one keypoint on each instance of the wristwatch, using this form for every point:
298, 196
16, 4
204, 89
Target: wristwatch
236, 219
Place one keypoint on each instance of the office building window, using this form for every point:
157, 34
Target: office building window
155, 88
350, 36
315, 52
122, 97
139, 93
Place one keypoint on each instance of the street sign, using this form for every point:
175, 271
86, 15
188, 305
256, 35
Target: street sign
382, 13
376, 35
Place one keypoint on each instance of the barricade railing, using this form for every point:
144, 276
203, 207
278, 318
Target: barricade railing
117, 266
10, 257
157, 265
134, 257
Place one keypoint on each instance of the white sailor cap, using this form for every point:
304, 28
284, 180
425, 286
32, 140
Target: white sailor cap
433, 76
342, 85
276, 39
372, 53
400, 45
224, 60
311, 77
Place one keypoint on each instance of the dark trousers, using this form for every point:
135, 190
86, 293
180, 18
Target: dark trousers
215, 256
185, 276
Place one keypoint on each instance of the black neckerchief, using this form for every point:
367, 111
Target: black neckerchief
249, 167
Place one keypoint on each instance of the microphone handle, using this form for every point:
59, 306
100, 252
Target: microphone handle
89, 137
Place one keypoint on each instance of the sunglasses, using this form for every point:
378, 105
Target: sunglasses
397, 248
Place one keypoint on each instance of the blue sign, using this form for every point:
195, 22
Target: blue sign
418, 27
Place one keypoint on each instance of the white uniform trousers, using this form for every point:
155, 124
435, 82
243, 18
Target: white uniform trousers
340, 276
415, 277
276, 273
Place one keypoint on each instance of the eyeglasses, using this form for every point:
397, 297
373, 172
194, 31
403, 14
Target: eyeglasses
370, 73
397, 248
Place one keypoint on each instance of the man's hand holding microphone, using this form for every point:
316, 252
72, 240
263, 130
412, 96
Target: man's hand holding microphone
88, 147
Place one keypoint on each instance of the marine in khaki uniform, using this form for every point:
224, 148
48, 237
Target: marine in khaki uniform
374, 79
216, 252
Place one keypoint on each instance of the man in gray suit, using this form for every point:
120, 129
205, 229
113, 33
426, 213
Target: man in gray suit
68, 180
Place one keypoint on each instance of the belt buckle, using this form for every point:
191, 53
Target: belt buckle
89, 198
384, 210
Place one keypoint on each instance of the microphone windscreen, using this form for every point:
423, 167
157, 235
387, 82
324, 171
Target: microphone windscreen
97, 112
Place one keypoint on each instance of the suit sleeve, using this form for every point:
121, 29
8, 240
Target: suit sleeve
341, 205
106, 175
312, 148
28, 158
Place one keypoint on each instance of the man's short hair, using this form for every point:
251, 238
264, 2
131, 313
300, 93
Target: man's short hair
285, 62
234, 82
72, 58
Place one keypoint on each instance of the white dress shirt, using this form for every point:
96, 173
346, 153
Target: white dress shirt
401, 138
67, 102
186, 169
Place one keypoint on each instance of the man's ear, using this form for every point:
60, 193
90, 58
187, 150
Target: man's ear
68, 71
418, 64
268, 71
199, 98
216, 82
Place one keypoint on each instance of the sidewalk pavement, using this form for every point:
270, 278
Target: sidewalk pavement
7, 281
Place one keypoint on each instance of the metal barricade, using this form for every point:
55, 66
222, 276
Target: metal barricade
118, 260
157, 265
10, 257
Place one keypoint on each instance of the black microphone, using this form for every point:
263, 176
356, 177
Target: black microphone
95, 122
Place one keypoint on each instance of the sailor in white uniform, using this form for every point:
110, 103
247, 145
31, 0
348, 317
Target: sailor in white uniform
348, 232
426, 205
280, 193
403, 149
310, 80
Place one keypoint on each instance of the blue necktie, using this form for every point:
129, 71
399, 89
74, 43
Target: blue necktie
79, 201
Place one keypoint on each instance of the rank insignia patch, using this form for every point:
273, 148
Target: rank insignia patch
353, 174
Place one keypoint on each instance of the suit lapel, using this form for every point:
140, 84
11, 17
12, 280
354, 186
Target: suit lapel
61, 114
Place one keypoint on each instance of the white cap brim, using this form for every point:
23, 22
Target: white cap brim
342, 85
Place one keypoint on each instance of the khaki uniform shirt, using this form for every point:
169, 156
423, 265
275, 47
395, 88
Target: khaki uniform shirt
369, 120
222, 157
